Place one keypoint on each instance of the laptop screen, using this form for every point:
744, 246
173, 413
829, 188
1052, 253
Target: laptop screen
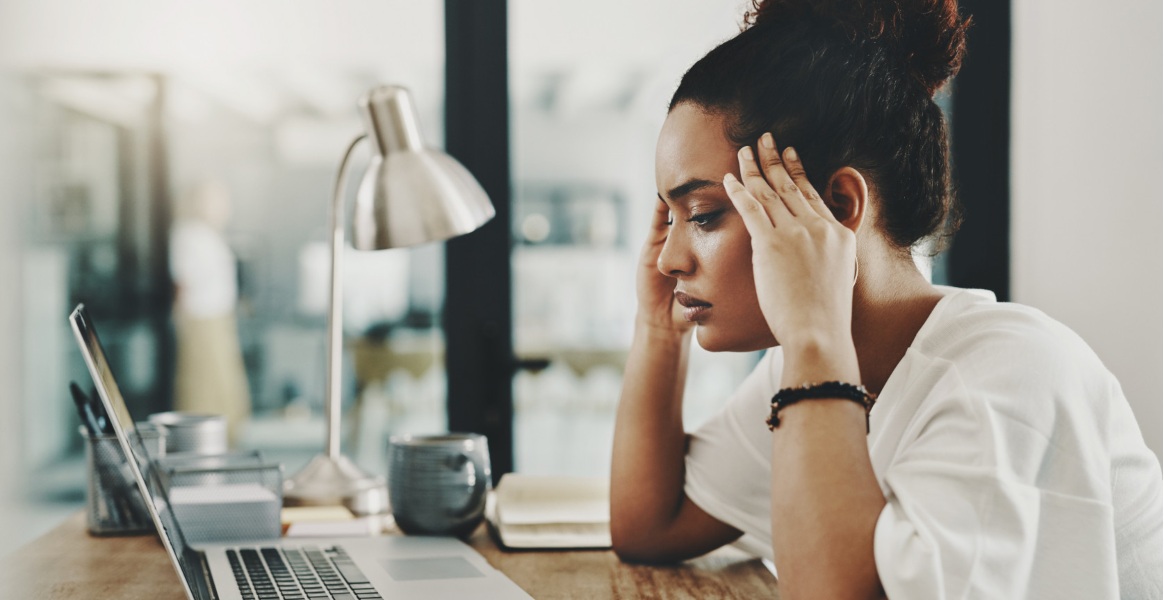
146, 474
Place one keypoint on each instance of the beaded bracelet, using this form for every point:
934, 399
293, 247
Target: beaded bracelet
829, 390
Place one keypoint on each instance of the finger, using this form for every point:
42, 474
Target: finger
753, 180
660, 227
661, 218
796, 171
753, 213
779, 178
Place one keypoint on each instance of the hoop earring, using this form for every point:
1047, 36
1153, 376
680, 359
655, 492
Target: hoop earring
856, 270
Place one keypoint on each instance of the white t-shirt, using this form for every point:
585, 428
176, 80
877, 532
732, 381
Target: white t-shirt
1011, 464
203, 267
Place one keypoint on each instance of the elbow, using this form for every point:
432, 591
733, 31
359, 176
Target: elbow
633, 545
624, 540
640, 554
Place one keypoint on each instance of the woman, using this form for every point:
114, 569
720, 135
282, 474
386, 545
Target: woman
1000, 459
210, 377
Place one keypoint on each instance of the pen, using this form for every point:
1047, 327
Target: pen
84, 409
101, 418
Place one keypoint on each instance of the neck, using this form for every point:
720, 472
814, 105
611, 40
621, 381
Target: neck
891, 302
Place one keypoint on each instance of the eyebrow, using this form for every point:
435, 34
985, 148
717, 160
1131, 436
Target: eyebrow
692, 185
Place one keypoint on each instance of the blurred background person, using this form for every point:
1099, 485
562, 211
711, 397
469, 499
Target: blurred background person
210, 376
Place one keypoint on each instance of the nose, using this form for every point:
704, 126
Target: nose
676, 259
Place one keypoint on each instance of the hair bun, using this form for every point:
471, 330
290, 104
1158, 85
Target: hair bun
928, 34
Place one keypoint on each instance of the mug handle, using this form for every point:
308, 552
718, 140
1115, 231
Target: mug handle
479, 488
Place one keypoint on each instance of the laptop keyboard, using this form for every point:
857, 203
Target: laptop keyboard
306, 573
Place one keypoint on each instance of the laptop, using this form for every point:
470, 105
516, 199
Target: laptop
300, 569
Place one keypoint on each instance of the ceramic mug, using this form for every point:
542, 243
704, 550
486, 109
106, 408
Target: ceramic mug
437, 484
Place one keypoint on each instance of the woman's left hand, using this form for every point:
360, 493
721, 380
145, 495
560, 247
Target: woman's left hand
803, 259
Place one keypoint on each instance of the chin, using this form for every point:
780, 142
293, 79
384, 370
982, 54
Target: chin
715, 339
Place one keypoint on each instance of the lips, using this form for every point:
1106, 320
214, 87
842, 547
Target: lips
693, 308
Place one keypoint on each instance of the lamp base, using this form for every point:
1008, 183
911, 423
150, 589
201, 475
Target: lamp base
331, 481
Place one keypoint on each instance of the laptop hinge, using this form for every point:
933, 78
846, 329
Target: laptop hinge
203, 584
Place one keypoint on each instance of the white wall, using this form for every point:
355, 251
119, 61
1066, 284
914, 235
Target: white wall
10, 273
1086, 194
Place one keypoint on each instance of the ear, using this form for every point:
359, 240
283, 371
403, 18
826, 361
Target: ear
847, 196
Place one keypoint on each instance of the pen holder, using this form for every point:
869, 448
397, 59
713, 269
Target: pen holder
224, 497
114, 505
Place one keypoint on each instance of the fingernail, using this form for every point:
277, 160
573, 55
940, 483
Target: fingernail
767, 140
729, 178
746, 152
791, 153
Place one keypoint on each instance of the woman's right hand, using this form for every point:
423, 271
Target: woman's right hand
657, 311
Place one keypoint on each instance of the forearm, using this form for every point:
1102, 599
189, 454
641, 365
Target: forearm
649, 442
825, 496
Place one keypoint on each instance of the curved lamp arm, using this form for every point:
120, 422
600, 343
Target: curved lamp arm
335, 321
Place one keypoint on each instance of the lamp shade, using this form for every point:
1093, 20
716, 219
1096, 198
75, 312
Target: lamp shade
410, 194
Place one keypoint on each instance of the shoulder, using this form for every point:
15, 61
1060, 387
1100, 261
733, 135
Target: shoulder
988, 340
1005, 388
1006, 371
191, 235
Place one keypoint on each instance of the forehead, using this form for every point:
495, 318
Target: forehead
693, 145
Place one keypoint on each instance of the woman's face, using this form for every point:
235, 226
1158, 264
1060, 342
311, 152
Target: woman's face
708, 251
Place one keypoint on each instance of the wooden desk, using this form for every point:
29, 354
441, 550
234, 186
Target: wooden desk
69, 563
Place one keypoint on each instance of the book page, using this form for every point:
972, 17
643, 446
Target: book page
551, 512
523, 499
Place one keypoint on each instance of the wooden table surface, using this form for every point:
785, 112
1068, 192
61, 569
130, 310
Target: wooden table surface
69, 563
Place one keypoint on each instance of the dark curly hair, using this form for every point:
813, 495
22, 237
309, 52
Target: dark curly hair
848, 83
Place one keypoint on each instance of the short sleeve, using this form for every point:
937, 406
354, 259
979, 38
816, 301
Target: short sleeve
728, 471
989, 498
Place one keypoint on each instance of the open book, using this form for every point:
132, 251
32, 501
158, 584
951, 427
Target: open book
551, 512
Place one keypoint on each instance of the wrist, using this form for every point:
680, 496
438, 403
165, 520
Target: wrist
826, 391
821, 357
648, 330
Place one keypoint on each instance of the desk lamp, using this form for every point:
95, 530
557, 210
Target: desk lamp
409, 195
